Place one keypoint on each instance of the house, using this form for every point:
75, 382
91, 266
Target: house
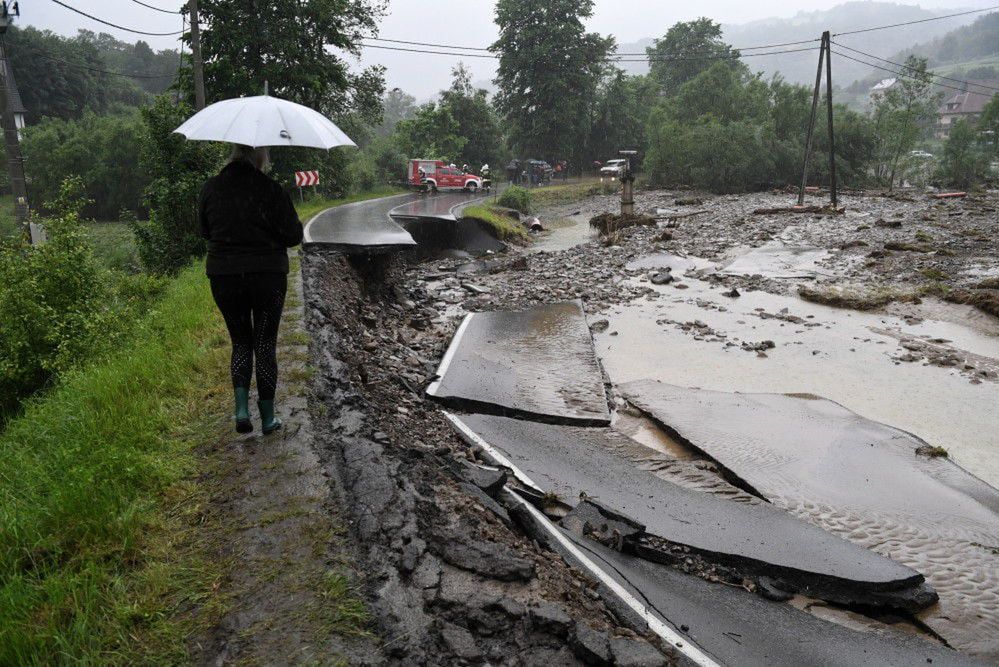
881, 87
968, 105
13, 96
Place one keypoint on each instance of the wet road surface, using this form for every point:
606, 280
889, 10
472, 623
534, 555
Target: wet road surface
858, 479
574, 462
536, 363
361, 227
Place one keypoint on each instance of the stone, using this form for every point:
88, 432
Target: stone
490, 559
591, 646
460, 641
551, 618
635, 653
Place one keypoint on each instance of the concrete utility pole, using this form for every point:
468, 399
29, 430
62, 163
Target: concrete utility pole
627, 186
811, 124
827, 39
15, 162
196, 62
825, 52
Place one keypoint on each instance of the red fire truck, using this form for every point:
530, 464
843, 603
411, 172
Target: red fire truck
434, 175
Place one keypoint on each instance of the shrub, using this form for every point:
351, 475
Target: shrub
58, 304
178, 169
964, 162
516, 197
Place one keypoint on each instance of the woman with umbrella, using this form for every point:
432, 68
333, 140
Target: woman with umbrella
250, 222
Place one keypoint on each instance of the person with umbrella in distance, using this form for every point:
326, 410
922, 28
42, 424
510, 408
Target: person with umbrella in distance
249, 222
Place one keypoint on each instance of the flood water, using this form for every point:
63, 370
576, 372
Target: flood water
837, 355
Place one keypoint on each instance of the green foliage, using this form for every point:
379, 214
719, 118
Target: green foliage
517, 198
502, 225
102, 150
177, 170
89, 573
902, 115
687, 50
964, 160
988, 127
433, 134
620, 115
549, 70
58, 305
61, 77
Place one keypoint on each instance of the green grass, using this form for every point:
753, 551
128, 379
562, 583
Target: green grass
565, 194
503, 226
96, 505
313, 206
8, 225
114, 244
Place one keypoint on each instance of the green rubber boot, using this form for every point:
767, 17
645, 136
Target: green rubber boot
243, 423
268, 422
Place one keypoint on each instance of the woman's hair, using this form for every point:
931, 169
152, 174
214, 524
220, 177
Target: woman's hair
258, 157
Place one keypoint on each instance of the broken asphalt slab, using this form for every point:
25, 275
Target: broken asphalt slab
856, 478
736, 627
537, 364
363, 227
755, 540
777, 260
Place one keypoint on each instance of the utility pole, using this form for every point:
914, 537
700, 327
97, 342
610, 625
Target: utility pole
811, 124
196, 62
825, 53
15, 162
827, 40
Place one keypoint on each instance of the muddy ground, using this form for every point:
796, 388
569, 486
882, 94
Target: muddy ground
450, 575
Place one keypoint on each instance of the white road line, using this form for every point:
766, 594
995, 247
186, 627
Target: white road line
668, 634
493, 453
449, 355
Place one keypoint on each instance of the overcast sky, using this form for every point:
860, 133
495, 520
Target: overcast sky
461, 22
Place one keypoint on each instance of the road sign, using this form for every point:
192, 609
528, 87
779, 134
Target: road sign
303, 178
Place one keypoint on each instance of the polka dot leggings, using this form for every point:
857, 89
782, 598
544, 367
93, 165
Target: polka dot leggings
251, 304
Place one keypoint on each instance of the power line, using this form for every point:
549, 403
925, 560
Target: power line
898, 25
119, 27
909, 67
891, 71
105, 71
165, 11
611, 59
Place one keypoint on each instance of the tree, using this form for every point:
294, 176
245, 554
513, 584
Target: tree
687, 49
964, 162
433, 133
988, 127
396, 106
477, 122
549, 69
620, 115
901, 115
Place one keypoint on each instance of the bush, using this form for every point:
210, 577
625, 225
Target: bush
102, 150
178, 169
516, 197
58, 304
964, 162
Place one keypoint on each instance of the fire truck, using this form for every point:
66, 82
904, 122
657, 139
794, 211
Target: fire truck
434, 175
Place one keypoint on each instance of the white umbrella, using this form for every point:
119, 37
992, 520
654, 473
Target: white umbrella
264, 121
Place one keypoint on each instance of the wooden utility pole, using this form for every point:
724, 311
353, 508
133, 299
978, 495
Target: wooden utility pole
15, 162
825, 53
827, 40
811, 124
196, 63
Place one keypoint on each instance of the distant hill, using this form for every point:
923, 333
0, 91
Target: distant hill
800, 67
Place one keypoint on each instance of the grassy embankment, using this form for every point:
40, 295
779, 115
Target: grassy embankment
104, 553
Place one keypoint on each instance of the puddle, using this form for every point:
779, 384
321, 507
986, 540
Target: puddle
828, 352
777, 260
563, 234
643, 431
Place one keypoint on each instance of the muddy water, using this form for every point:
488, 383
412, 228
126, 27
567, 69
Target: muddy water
563, 233
834, 353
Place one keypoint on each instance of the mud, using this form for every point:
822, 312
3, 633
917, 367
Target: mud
448, 576
858, 479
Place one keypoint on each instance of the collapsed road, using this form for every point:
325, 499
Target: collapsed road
422, 524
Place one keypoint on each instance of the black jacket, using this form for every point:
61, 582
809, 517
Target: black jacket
248, 220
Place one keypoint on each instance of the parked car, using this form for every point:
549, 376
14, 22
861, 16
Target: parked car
921, 154
434, 175
613, 169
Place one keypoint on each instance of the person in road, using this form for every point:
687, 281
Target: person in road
249, 223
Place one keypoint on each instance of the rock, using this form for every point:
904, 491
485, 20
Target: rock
891, 224
769, 589
551, 618
487, 502
591, 646
490, 481
662, 277
490, 559
732, 293
607, 526
599, 326
474, 289
460, 641
635, 653
688, 201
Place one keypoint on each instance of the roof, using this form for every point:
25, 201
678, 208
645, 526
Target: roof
971, 101
13, 94
883, 84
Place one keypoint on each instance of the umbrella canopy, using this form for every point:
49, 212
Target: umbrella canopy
264, 121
